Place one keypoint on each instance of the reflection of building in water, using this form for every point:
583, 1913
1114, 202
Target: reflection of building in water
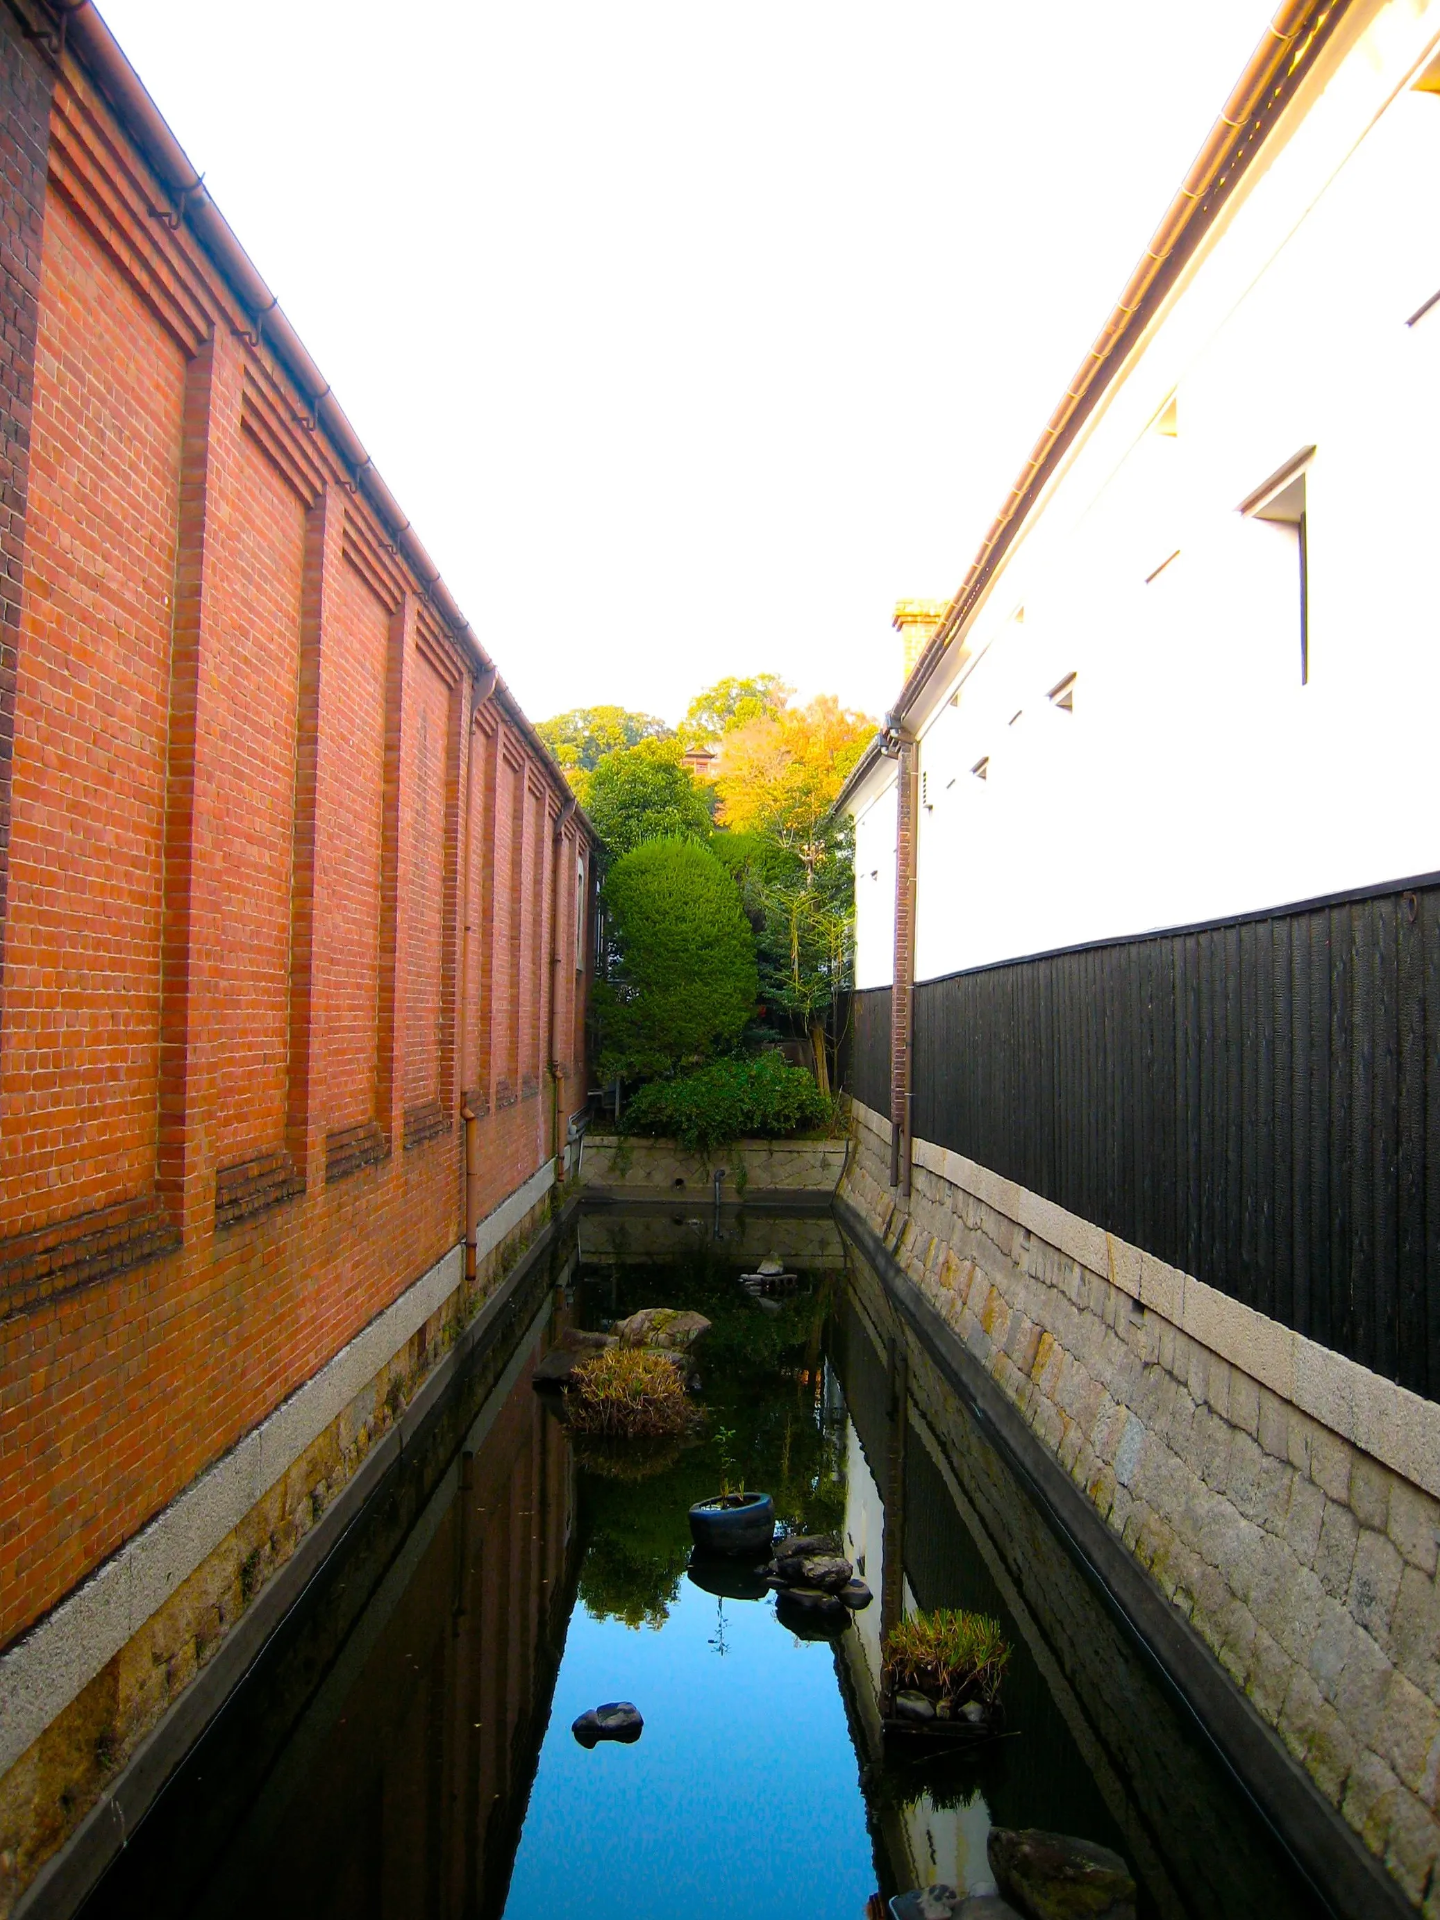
432, 1718
924, 1843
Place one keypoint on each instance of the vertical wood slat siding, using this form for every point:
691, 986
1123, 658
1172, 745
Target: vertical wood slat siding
1257, 1103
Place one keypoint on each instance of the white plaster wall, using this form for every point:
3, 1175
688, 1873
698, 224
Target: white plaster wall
875, 830
1197, 777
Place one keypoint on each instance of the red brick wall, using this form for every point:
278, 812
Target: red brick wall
282, 873
26, 80
80, 1041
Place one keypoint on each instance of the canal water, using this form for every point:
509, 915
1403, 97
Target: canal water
403, 1747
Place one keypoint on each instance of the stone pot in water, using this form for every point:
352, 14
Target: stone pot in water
734, 1524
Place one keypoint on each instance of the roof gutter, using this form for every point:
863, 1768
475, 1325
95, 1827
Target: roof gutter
86, 35
1270, 80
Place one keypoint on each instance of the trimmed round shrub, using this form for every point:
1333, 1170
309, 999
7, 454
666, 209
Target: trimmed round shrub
684, 983
730, 1100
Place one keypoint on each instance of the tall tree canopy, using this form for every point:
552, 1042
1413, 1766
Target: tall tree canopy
731, 703
581, 737
645, 792
682, 983
782, 773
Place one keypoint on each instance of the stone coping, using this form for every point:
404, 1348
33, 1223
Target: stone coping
44, 1670
1387, 1421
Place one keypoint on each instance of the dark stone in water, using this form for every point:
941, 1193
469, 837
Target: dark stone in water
856, 1595
797, 1545
616, 1720
910, 1705
826, 1571
811, 1614
1053, 1876
554, 1369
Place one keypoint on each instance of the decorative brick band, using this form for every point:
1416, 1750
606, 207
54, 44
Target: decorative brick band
529, 1086
348, 1149
505, 1095
477, 1099
34, 1266
424, 1122
254, 1186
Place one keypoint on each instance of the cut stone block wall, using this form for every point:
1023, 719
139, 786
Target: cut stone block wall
1284, 1499
652, 1167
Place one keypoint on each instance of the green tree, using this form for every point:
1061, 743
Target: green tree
804, 920
731, 703
582, 737
645, 792
682, 983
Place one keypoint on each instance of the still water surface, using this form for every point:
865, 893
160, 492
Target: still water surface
403, 1748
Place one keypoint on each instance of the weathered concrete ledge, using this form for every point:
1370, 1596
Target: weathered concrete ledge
85, 1686
1283, 1498
641, 1168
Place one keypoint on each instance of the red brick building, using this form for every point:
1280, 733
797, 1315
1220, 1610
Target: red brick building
293, 905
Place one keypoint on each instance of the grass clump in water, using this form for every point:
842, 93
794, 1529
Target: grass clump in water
628, 1393
959, 1655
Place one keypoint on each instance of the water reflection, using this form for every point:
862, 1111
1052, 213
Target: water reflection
404, 1746
1095, 1745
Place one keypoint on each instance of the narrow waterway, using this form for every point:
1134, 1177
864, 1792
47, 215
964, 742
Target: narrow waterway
404, 1746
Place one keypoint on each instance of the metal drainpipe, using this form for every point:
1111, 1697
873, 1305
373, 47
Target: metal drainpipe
902, 747
472, 1187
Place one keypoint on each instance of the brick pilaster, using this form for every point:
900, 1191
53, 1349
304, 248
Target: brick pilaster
27, 82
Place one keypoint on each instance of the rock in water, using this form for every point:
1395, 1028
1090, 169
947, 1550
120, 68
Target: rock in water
799, 1544
810, 1613
856, 1595
665, 1327
824, 1570
928, 1903
772, 1263
910, 1705
1052, 1876
617, 1720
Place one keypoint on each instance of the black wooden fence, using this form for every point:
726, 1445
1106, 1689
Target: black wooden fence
1257, 1102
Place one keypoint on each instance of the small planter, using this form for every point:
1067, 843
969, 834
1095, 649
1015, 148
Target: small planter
732, 1524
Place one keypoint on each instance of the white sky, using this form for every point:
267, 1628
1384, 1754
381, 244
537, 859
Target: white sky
691, 338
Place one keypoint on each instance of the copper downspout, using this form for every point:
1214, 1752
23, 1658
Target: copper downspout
95, 47
904, 749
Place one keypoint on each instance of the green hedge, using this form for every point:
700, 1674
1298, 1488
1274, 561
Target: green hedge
683, 985
759, 1098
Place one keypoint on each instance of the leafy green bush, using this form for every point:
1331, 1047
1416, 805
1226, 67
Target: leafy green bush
730, 1100
683, 985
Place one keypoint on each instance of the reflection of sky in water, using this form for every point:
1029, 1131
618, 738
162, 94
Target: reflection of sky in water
741, 1797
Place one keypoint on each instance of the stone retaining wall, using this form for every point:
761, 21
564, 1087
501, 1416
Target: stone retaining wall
644, 1168
1284, 1499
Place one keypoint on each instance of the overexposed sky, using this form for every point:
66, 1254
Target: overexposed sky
693, 337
